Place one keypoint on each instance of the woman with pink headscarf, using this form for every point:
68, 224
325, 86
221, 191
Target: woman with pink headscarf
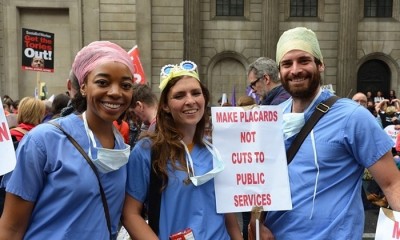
55, 192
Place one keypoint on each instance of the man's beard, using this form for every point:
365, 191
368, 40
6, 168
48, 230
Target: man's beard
308, 91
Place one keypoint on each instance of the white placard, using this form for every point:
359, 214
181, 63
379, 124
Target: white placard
7, 159
392, 132
388, 226
252, 147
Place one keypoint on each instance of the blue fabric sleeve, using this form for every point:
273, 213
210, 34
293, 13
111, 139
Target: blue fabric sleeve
138, 169
31, 155
365, 138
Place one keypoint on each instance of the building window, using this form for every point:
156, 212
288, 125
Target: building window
303, 8
378, 8
230, 7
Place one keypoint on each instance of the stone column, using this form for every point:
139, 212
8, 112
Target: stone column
347, 49
191, 30
269, 28
143, 35
90, 21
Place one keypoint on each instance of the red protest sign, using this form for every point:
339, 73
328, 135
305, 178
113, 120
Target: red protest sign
37, 50
139, 72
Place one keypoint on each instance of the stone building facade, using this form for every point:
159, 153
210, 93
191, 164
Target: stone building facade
360, 53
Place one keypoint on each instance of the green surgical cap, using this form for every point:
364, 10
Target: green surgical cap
299, 38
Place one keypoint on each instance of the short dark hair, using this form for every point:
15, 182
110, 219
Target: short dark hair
143, 93
60, 101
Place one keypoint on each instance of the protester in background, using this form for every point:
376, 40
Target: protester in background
389, 112
375, 195
135, 124
369, 96
392, 95
31, 114
48, 115
7, 98
14, 106
325, 174
245, 101
53, 192
60, 101
144, 105
263, 78
12, 113
370, 104
122, 127
6, 109
360, 98
73, 88
185, 162
7, 105
379, 97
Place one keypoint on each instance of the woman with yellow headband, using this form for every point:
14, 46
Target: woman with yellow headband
185, 162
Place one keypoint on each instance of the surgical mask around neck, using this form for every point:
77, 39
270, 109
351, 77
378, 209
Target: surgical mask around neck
208, 138
218, 165
292, 124
107, 160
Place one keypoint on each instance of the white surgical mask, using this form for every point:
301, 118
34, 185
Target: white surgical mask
294, 122
218, 165
208, 138
107, 160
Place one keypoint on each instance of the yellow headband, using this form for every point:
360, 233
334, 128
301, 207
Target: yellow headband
299, 38
185, 68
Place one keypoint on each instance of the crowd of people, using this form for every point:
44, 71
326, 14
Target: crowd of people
111, 153
386, 111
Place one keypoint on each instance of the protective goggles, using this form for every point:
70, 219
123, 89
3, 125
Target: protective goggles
170, 71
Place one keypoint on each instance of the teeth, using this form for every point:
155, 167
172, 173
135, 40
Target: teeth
113, 106
298, 79
190, 111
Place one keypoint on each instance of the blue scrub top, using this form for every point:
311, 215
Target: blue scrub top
182, 206
51, 173
347, 140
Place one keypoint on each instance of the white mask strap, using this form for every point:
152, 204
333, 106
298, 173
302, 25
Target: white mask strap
317, 166
189, 161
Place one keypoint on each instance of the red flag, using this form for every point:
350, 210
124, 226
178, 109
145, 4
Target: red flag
139, 72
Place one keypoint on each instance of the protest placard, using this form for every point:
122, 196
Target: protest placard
37, 50
251, 144
7, 159
392, 132
388, 226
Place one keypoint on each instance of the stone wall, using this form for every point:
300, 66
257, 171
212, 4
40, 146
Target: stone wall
381, 40
167, 36
326, 29
117, 22
227, 47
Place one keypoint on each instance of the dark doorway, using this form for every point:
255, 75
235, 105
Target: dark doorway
374, 75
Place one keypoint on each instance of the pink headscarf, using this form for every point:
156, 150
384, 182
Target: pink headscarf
89, 57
